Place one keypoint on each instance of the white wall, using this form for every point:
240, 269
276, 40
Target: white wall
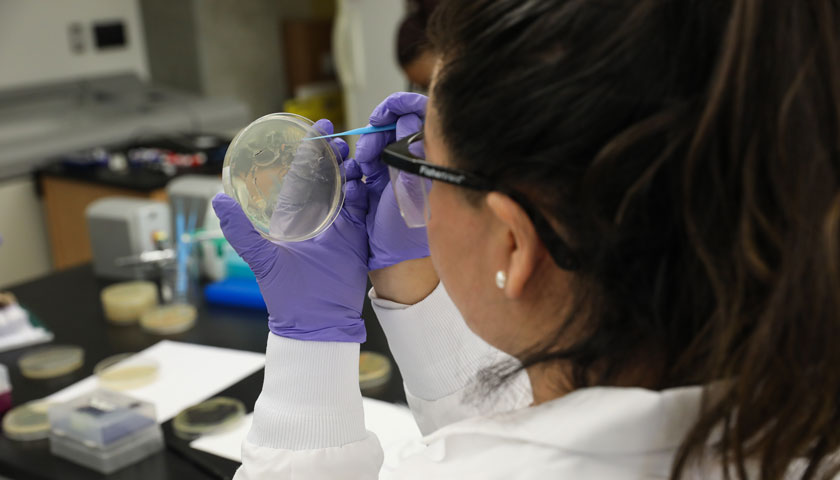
24, 253
35, 46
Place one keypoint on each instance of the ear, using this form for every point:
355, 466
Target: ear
524, 246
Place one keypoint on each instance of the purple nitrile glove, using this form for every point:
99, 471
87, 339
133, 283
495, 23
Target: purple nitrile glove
313, 289
391, 241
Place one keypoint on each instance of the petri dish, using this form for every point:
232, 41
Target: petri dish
290, 189
28, 421
51, 362
126, 371
125, 302
374, 372
169, 319
212, 416
7, 298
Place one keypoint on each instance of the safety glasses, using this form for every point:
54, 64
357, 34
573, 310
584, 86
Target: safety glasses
412, 176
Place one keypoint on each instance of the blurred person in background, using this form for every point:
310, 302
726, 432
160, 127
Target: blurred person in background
414, 51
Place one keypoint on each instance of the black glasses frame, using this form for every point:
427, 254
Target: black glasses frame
397, 155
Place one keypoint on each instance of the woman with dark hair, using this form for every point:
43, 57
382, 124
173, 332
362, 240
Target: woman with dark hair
634, 205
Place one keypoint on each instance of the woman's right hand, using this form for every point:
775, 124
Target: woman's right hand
400, 268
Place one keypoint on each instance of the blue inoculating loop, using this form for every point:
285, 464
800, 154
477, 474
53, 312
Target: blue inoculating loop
358, 131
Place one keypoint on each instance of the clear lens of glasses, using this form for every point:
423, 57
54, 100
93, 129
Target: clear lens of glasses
412, 194
412, 191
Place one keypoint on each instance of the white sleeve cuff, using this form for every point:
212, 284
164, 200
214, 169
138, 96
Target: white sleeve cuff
360, 460
310, 396
435, 350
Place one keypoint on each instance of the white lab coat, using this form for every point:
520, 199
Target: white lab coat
308, 421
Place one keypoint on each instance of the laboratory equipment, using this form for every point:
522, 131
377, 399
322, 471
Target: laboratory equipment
56, 118
49, 362
126, 371
5, 389
291, 190
192, 194
374, 373
358, 131
104, 430
123, 227
126, 302
235, 292
13, 318
169, 319
212, 416
27, 422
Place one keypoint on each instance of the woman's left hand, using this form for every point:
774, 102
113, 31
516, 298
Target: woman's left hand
315, 289
391, 241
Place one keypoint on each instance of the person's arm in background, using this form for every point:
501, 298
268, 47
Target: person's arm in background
308, 421
439, 357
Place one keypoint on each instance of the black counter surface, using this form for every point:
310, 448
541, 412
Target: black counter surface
67, 302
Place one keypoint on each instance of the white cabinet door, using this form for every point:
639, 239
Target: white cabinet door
24, 252
365, 45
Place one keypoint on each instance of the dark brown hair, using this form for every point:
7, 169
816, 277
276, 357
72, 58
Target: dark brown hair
690, 149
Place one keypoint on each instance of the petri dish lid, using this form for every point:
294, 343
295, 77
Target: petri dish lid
51, 362
126, 371
212, 416
374, 370
290, 188
169, 319
28, 421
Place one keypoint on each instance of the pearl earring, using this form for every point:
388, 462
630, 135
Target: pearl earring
501, 278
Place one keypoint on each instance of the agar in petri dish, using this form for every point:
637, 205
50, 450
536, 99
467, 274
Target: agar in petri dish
125, 302
169, 319
212, 416
126, 371
51, 362
374, 372
28, 421
290, 189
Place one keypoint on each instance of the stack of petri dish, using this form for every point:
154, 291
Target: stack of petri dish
126, 302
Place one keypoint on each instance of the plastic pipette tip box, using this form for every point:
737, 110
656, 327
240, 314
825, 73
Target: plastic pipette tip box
104, 430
